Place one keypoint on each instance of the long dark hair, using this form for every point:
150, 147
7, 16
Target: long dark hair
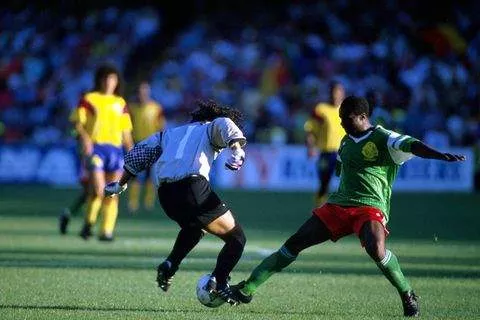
101, 75
209, 110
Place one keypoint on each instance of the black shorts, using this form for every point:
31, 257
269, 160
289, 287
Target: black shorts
191, 202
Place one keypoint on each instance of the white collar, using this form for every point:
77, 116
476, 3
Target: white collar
365, 136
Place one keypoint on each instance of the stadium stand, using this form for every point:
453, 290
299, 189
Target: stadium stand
419, 68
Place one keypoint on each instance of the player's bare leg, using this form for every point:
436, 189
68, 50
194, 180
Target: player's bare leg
372, 235
312, 232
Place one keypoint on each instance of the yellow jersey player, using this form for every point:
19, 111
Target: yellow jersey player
104, 126
147, 118
323, 135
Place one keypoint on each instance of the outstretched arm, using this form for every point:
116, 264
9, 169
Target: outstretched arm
142, 156
421, 150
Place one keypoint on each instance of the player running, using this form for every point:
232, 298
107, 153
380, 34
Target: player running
181, 159
368, 162
323, 135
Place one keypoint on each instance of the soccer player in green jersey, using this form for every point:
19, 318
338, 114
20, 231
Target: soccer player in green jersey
368, 161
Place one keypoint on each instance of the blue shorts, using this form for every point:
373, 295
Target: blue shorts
106, 157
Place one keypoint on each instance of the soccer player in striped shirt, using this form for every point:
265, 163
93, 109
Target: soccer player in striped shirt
181, 159
368, 161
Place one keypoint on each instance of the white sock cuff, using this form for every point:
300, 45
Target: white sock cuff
386, 259
284, 251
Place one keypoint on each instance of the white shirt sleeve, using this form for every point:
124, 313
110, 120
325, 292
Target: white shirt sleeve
394, 144
222, 131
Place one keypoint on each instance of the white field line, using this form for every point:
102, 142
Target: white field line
206, 244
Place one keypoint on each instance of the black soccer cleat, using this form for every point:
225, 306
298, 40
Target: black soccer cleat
239, 295
227, 295
410, 304
63, 221
86, 231
165, 273
211, 285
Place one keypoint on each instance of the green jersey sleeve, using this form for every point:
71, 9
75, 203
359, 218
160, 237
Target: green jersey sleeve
399, 147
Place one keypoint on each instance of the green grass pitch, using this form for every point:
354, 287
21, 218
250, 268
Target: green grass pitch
47, 276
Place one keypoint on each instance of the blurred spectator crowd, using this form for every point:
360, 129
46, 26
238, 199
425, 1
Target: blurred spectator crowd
422, 77
48, 60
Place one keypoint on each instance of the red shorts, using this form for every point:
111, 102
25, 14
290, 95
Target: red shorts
342, 221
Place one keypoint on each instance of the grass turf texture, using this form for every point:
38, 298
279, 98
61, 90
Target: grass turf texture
48, 276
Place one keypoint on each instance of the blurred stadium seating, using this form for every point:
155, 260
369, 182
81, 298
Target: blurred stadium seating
419, 67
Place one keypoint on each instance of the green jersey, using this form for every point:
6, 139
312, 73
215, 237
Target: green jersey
369, 165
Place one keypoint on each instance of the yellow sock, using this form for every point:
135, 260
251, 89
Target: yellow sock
110, 212
149, 195
133, 196
93, 206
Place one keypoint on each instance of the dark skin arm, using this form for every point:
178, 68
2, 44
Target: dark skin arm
421, 150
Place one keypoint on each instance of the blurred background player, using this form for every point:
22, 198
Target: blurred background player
104, 125
323, 135
181, 158
81, 199
369, 160
147, 118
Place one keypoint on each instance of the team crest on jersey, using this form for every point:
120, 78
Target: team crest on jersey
370, 151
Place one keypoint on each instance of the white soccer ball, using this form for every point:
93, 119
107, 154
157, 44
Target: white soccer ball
207, 299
